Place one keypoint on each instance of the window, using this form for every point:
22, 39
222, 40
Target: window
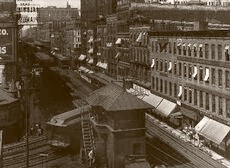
220, 80
157, 84
179, 49
166, 66
157, 64
175, 90
228, 108
213, 73
184, 49
152, 46
161, 85
189, 71
156, 47
201, 74
185, 93
185, 70
189, 50
195, 97
201, 99
174, 47
227, 56
227, 79
170, 47
153, 83
213, 103
206, 51
161, 65
219, 49
175, 69
207, 101
201, 50
220, 106
170, 88
166, 91
213, 51
180, 69
195, 50
190, 95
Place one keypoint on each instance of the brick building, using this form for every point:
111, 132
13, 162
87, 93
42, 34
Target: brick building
191, 69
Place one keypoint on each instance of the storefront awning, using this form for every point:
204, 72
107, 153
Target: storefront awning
102, 65
152, 99
212, 130
166, 107
90, 51
118, 41
81, 57
84, 69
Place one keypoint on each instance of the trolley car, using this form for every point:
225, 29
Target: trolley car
64, 129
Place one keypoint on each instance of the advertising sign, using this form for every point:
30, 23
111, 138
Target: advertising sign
5, 42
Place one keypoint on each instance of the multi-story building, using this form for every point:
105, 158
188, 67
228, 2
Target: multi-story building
191, 69
139, 53
111, 21
92, 13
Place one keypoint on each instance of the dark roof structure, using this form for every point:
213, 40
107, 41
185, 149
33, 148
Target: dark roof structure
114, 98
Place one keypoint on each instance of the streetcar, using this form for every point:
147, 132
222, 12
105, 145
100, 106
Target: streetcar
64, 130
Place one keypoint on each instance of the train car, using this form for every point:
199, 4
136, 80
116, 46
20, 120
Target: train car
64, 130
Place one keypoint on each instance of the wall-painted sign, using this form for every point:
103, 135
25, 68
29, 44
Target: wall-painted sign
5, 42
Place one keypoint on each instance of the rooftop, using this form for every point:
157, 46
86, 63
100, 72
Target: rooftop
114, 98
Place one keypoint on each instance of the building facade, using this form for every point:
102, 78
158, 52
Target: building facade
191, 69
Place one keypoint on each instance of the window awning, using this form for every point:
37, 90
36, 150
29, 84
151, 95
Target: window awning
195, 45
189, 45
200, 45
212, 130
102, 65
81, 57
153, 63
99, 53
180, 91
118, 41
90, 51
226, 47
170, 66
90, 40
90, 61
206, 74
194, 72
166, 107
109, 44
139, 37
117, 55
178, 44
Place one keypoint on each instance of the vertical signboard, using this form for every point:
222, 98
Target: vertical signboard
6, 43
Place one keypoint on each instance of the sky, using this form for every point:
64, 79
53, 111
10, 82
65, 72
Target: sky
58, 3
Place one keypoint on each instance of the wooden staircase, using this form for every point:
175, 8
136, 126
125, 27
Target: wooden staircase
87, 137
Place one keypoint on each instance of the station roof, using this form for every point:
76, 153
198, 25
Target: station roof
5, 98
114, 98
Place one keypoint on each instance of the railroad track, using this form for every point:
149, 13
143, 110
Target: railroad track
14, 155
